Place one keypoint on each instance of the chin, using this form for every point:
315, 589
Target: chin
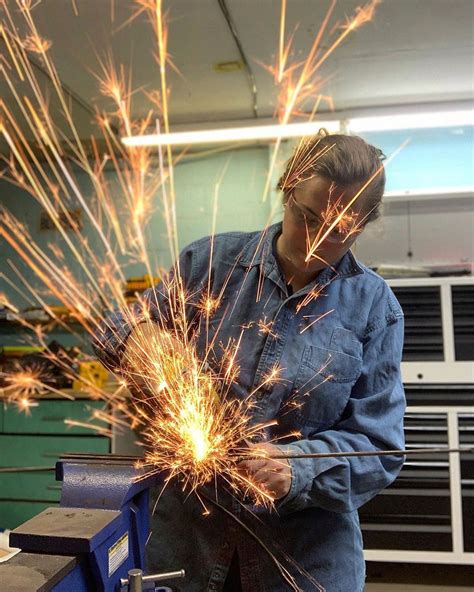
300, 264
311, 268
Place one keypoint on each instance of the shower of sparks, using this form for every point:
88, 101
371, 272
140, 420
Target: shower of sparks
192, 428
190, 425
200, 438
42, 155
300, 83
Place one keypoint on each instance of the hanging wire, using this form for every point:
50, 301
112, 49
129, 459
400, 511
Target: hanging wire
248, 69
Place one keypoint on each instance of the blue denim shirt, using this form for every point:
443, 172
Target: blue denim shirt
343, 373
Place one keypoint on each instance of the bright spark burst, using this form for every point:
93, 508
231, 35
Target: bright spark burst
36, 44
209, 305
191, 428
21, 384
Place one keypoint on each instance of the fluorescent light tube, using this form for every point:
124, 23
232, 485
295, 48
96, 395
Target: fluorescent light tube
438, 119
411, 121
236, 134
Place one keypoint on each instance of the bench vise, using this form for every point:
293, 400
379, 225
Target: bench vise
95, 540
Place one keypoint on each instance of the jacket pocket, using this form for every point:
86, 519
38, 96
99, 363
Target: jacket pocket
323, 385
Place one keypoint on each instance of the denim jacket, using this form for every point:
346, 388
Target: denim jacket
339, 358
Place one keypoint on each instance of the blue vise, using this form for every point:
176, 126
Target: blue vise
94, 538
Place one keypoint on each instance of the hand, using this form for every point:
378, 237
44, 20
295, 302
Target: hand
271, 475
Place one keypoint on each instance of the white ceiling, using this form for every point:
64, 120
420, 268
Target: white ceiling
414, 51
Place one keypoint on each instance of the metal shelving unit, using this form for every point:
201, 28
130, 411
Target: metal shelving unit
426, 515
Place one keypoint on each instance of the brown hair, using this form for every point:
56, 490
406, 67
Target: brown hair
346, 160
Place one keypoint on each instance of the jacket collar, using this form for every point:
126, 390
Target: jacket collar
259, 251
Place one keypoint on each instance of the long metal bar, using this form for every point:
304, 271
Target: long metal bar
110, 458
170, 575
25, 469
370, 453
396, 452
162, 577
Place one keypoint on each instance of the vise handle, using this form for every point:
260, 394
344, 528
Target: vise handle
136, 578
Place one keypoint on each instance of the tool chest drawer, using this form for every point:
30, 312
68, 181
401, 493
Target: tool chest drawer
30, 486
42, 451
34, 441
48, 417
39, 452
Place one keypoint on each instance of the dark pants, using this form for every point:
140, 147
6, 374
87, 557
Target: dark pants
232, 582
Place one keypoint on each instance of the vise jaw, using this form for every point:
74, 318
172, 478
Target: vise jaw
95, 538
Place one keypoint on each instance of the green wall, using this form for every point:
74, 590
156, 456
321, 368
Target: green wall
239, 175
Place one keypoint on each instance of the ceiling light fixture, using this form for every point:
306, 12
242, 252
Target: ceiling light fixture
405, 121
388, 122
235, 134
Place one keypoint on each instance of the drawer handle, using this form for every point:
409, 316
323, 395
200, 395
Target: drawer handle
54, 487
53, 418
52, 454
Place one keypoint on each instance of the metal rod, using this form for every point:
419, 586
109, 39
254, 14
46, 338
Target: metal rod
170, 575
131, 459
368, 453
395, 452
25, 469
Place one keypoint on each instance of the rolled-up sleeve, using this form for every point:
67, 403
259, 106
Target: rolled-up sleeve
156, 304
372, 421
